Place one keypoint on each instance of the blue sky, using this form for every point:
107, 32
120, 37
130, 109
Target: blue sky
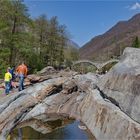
85, 19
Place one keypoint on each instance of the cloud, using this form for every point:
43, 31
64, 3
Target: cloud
135, 6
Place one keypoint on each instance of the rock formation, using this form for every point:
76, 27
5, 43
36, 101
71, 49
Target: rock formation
108, 104
122, 83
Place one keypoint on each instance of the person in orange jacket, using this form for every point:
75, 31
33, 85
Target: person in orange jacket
22, 73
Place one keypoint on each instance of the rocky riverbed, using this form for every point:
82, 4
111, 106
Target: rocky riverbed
107, 104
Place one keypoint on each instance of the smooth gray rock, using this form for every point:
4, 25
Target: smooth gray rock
72, 96
122, 83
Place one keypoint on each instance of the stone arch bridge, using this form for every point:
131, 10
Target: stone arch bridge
97, 65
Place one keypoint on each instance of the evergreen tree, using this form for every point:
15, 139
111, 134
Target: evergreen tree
136, 43
38, 42
41, 31
14, 32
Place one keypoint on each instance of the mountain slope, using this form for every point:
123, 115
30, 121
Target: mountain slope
72, 44
112, 42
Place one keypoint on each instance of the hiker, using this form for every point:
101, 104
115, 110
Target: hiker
11, 70
22, 73
7, 79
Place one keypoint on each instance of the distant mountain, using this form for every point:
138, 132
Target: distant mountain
72, 44
71, 52
112, 42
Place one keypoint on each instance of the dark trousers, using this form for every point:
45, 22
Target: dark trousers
21, 81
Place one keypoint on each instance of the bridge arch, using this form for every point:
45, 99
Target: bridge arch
108, 65
85, 61
101, 67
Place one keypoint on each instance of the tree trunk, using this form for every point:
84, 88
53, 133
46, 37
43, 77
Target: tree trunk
11, 57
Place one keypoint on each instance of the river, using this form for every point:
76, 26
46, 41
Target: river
69, 132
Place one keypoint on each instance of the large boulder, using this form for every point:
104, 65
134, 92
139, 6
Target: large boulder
82, 97
105, 120
47, 70
122, 83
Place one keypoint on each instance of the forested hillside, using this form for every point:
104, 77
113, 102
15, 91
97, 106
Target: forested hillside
112, 43
39, 42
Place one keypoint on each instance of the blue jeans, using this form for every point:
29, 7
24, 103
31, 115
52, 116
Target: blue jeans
21, 81
7, 87
10, 85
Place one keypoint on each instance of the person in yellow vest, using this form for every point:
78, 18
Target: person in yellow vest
7, 79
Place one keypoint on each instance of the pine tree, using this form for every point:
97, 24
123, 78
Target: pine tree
38, 42
16, 19
136, 43
41, 31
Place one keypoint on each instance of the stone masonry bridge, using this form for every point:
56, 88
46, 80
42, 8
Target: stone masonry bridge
95, 64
